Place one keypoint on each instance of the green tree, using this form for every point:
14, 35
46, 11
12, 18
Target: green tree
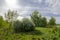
52, 21
35, 18
1, 21
44, 22
11, 16
27, 25
38, 20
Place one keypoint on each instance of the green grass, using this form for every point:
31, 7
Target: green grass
39, 33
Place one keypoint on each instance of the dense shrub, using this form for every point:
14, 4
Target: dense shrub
24, 26
27, 25
17, 26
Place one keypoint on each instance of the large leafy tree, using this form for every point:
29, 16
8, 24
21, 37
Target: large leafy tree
38, 20
35, 18
11, 16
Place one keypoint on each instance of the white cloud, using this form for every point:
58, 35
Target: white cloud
57, 20
27, 6
11, 4
20, 18
37, 0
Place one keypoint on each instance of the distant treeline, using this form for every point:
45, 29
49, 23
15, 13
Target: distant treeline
25, 24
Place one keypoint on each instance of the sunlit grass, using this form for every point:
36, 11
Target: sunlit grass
39, 33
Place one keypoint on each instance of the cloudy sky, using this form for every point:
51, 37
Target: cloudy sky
47, 8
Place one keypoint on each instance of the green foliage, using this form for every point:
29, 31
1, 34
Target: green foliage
11, 15
17, 26
52, 21
48, 34
38, 20
25, 26
1, 21
43, 22
35, 18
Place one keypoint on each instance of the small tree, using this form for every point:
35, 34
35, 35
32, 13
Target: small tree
1, 21
52, 21
11, 16
43, 22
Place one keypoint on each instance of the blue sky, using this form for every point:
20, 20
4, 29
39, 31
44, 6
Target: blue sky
47, 8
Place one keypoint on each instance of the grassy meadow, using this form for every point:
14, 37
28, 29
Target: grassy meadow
40, 33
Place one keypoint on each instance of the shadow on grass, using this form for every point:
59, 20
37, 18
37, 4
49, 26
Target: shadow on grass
35, 32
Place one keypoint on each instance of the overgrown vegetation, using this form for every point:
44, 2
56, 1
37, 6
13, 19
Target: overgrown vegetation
28, 29
40, 21
24, 26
